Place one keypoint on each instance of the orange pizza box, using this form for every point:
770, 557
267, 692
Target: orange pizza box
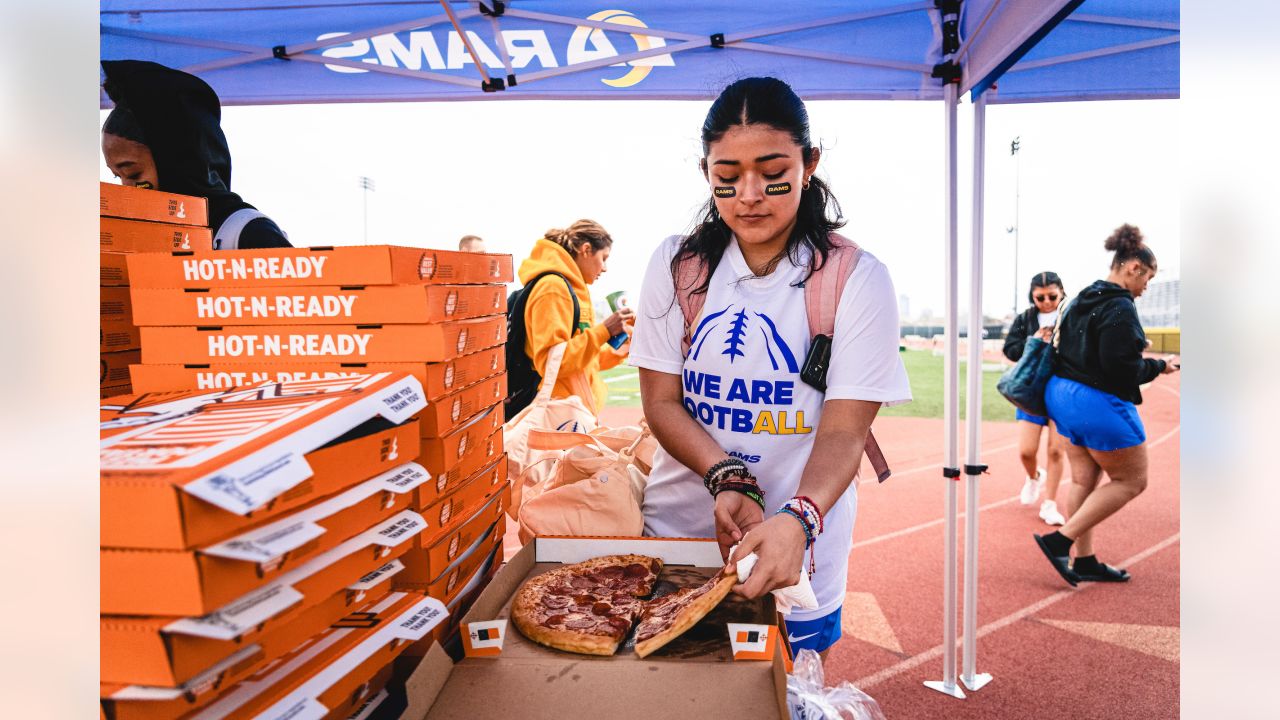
327, 672
306, 586
144, 651
365, 701
453, 510
340, 343
283, 267
112, 270
449, 412
445, 584
179, 469
194, 582
142, 702
114, 304
115, 390
438, 379
118, 334
325, 305
444, 550
479, 456
133, 203
133, 236
466, 587
444, 378
732, 660
113, 367
442, 454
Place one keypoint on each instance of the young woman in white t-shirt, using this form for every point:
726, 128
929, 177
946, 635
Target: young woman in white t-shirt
750, 453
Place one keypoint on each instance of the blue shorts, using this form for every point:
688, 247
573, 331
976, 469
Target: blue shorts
1093, 418
1023, 415
817, 634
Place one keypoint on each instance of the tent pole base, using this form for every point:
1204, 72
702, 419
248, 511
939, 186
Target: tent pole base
977, 682
944, 688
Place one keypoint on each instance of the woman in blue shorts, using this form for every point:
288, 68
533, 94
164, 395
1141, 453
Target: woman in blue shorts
1092, 399
1046, 296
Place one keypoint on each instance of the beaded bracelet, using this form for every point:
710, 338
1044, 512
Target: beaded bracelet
721, 470
811, 512
792, 508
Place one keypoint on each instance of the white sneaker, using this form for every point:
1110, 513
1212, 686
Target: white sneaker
1049, 513
1031, 488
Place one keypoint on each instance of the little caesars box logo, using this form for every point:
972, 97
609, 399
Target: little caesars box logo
528, 49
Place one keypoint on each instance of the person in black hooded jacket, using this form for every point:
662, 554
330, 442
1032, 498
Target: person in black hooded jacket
165, 133
1092, 399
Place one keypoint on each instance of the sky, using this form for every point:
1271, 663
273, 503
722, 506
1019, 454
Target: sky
509, 171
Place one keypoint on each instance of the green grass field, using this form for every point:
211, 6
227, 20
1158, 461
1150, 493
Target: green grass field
923, 368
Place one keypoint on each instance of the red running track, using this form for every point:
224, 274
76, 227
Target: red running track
1096, 651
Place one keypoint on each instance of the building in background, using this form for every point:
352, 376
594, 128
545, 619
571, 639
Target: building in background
1160, 305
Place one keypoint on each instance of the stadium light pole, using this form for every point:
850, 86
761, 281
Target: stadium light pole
367, 186
1017, 201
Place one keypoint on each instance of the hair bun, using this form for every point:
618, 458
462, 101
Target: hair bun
1126, 239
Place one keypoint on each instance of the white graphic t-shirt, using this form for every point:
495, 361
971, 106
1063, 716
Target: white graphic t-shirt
742, 383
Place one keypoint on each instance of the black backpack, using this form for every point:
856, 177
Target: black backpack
522, 379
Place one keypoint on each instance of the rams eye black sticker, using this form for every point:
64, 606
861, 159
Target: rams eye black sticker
725, 191
781, 188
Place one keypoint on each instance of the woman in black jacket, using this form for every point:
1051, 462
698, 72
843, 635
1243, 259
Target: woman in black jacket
165, 133
1046, 295
1092, 399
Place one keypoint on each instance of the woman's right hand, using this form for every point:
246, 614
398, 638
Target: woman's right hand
735, 515
614, 322
1172, 364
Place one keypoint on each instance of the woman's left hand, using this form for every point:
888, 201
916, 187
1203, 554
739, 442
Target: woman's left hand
780, 544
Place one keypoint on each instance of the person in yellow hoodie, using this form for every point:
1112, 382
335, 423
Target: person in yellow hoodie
580, 253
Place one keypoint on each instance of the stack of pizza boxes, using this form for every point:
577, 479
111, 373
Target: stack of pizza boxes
210, 320
134, 220
249, 539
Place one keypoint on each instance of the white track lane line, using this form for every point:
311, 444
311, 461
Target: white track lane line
936, 652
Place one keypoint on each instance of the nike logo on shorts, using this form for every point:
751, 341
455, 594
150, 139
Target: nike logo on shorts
793, 639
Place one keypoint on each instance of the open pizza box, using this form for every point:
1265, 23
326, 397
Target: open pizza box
731, 664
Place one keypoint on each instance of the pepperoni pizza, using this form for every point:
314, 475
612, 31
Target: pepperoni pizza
589, 607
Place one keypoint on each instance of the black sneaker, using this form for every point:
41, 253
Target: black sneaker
1101, 572
1061, 563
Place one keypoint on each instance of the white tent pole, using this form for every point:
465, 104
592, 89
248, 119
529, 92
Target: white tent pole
466, 42
973, 412
1123, 22
951, 401
1101, 52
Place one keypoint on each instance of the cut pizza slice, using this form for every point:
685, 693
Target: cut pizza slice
668, 617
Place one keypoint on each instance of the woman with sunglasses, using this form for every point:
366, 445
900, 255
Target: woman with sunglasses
1092, 399
1046, 295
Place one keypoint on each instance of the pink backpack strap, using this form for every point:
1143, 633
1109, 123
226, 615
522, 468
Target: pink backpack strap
690, 273
822, 292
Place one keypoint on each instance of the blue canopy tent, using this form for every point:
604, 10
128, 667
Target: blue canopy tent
999, 51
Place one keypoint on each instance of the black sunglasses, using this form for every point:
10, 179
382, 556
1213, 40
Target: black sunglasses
1043, 298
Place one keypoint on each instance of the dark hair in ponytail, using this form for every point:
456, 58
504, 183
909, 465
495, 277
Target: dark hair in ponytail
765, 101
572, 237
1127, 244
1043, 280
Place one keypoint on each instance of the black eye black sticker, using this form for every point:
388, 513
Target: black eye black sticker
781, 188
725, 191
